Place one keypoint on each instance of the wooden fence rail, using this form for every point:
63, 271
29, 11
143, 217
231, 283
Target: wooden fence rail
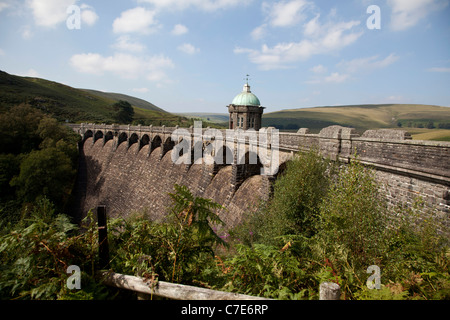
169, 290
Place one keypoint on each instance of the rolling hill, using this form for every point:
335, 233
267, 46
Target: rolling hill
361, 117
76, 105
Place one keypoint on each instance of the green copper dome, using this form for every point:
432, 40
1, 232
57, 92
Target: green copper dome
246, 98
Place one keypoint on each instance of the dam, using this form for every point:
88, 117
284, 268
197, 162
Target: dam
130, 168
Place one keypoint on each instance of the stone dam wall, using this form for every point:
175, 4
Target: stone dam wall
130, 169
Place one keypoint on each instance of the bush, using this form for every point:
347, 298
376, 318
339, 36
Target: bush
352, 230
48, 172
177, 250
298, 192
36, 252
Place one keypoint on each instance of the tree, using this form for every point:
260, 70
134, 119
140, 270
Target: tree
48, 172
9, 166
18, 129
294, 207
352, 215
55, 135
124, 112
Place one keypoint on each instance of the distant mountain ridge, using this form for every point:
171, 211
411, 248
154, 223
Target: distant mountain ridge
361, 117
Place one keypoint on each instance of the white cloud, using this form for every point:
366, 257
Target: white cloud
437, 69
355, 66
312, 27
31, 73
205, 5
179, 30
88, 15
285, 13
327, 38
188, 48
124, 65
407, 13
259, 32
125, 43
138, 20
4, 5
336, 77
49, 13
319, 69
367, 64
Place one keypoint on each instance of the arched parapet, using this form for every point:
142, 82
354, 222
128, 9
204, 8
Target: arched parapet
134, 138
144, 141
122, 137
247, 166
156, 142
109, 135
86, 135
98, 135
166, 146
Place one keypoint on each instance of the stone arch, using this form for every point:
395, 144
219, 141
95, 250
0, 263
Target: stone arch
134, 138
98, 135
156, 143
167, 146
145, 140
250, 166
108, 136
224, 156
122, 138
87, 134
197, 152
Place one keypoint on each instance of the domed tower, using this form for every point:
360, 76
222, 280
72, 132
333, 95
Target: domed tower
245, 110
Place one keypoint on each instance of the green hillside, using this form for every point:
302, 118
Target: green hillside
217, 118
362, 117
139, 103
76, 105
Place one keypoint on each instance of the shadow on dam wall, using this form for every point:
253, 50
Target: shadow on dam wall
127, 180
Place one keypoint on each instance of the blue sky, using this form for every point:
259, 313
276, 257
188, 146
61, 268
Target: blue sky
193, 55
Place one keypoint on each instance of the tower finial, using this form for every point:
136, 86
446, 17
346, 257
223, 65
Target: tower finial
247, 78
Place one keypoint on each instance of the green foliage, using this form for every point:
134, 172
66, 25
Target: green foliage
353, 217
267, 271
178, 250
9, 167
35, 254
323, 224
19, 129
38, 158
354, 229
295, 206
48, 172
124, 112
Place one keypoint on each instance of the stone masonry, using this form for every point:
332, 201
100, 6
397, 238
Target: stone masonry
130, 168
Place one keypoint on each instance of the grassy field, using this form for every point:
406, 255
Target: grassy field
361, 117
429, 134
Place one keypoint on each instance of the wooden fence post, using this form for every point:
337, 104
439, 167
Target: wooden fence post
330, 291
103, 246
